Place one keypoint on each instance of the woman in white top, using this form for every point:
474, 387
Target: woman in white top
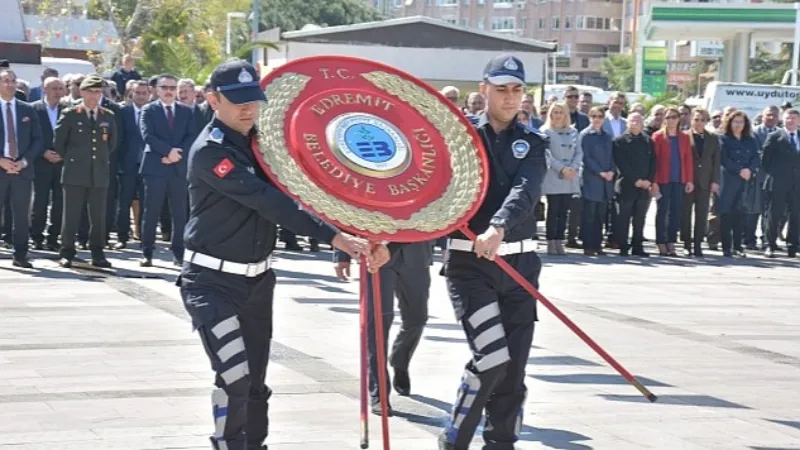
563, 178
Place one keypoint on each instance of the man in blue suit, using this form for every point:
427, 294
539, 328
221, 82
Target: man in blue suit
168, 130
37, 93
21, 138
47, 193
129, 156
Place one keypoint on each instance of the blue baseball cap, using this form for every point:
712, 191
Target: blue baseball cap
238, 81
504, 69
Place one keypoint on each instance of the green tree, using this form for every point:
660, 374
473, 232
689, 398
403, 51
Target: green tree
290, 15
620, 69
769, 69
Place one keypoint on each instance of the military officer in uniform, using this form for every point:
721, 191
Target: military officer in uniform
226, 280
85, 138
407, 274
497, 314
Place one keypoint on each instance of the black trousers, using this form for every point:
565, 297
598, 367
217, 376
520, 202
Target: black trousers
731, 229
556, 221
498, 318
410, 282
75, 199
574, 219
694, 231
157, 191
594, 216
47, 193
19, 190
631, 213
131, 186
777, 204
233, 316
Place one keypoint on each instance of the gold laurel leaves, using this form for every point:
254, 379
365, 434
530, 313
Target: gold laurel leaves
460, 195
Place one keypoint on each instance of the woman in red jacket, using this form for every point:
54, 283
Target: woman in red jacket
674, 177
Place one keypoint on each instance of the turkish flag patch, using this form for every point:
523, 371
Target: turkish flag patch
223, 168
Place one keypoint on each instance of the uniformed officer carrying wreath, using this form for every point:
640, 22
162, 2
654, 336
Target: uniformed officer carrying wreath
85, 138
497, 314
226, 282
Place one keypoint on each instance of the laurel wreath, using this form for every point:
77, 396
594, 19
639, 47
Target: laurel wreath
457, 200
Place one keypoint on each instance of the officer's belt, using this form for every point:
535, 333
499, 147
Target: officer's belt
209, 262
506, 248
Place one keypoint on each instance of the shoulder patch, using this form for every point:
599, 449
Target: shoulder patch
216, 135
520, 148
223, 168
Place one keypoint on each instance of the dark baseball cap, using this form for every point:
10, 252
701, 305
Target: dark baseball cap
238, 81
504, 69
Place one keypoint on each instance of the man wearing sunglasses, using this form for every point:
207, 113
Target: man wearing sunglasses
168, 130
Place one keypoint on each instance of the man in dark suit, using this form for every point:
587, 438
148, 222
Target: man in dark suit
407, 275
86, 136
168, 130
201, 113
47, 170
129, 158
771, 117
781, 163
37, 93
705, 146
22, 142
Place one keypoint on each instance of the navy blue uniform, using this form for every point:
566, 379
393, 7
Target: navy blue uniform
226, 283
496, 313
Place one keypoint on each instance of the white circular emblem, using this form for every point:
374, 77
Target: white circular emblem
368, 144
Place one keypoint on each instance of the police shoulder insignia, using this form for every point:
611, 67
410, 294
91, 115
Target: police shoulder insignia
216, 135
520, 148
223, 168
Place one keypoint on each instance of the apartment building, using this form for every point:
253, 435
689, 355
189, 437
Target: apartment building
586, 30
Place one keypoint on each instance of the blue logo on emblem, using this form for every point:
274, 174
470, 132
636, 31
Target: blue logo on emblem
520, 148
370, 142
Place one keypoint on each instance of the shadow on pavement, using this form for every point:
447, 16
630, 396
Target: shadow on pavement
596, 378
680, 400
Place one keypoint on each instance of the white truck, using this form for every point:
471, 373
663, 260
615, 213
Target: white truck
747, 97
33, 73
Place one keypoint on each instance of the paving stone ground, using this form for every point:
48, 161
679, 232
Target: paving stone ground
96, 362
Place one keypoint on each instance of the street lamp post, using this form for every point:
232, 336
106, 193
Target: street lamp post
231, 15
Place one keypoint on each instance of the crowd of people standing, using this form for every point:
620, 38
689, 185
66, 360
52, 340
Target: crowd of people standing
717, 177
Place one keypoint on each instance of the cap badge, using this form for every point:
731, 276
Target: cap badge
245, 77
510, 64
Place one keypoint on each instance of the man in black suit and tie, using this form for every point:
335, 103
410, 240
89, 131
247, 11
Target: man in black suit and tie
201, 113
47, 170
129, 159
781, 163
22, 142
168, 130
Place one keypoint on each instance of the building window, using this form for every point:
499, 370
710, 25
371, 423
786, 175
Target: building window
465, 22
555, 22
451, 21
465, 2
585, 63
542, 23
590, 23
567, 22
579, 22
448, 2
502, 3
481, 24
503, 24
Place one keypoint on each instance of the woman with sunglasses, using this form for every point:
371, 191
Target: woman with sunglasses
740, 162
598, 181
674, 179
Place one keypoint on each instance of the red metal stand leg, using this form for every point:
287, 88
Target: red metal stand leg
380, 346
363, 313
